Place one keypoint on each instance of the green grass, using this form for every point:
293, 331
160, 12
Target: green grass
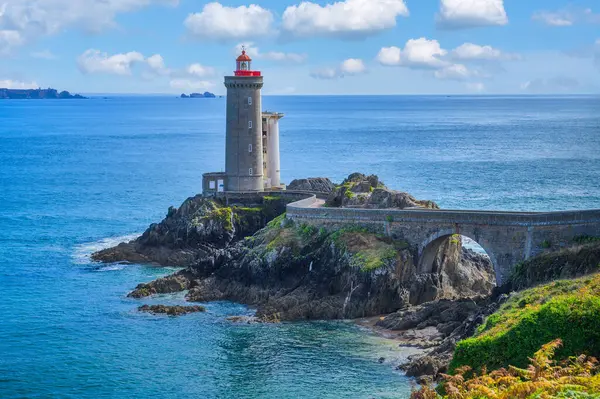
368, 251
565, 309
584, 239
225, 216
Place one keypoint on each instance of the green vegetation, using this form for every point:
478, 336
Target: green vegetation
368, 251
576, 378
276, 223
568, 310
584, 239
578, 260
224, 216
248, 210
456, 239
546, 244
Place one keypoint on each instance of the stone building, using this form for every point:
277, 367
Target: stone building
252, 158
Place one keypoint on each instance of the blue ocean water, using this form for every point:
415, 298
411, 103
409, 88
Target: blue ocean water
77, 176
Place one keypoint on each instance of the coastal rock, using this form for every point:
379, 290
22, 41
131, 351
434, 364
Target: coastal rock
171, 310
196, 234
178, 282
360, 191
244, 319
316, 185
453, 321
287, 270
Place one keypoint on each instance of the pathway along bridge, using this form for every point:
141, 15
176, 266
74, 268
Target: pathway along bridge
507, 237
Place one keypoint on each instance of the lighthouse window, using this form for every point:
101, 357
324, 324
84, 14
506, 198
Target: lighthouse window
250, 171
249, 124
249, 100
249, 147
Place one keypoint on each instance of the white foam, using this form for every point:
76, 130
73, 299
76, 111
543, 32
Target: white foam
83, 252
111, 268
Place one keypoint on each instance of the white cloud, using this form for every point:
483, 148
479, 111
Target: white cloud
190, 84
353, 66
15, 84
417, 54
284, 57
192, 77
200, 71
217, 22
30, 19
325, 73
349, 67
9, 39
453, 72
349, 18
44, 55
554, 18
567, 16
472, 52
156, 63
277, 56
428, 55
95, 61
457, 14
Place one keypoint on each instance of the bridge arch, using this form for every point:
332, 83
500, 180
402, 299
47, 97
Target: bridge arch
430, 247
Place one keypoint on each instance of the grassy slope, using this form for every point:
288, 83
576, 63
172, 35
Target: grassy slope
565, 309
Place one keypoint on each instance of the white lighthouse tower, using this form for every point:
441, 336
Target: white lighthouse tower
252, 159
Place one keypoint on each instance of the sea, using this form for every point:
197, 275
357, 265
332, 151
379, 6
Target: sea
77, 176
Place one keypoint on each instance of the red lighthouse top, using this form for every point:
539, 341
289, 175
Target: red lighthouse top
244, 65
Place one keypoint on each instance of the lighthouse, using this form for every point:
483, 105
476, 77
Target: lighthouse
252, 158
244, 164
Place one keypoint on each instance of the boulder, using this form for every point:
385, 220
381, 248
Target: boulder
315, 184
171, 310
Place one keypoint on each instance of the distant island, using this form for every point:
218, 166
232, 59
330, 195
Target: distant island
36, 94
199, 95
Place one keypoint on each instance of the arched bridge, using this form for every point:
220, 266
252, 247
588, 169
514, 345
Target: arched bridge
507, 237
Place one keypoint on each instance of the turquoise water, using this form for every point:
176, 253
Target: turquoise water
77, 176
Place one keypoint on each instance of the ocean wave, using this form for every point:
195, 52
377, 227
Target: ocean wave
83, 252
110, 268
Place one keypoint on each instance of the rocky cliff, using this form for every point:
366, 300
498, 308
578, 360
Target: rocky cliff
361, 191
291, 271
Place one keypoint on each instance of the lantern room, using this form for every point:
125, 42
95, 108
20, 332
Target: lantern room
244, 65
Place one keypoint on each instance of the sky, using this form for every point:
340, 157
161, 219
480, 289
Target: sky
303, 47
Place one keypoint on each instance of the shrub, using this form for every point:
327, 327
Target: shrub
546, 244
543, 378
585, 239
569, 310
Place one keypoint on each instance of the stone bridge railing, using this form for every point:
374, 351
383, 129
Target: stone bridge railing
507, 237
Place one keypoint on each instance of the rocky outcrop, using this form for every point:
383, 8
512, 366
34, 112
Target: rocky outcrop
315, 185
171, 310
438, 326
195, 235
360, 191
581, 259
292, 272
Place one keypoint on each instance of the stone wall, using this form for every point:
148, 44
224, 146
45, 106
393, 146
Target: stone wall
507, 237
